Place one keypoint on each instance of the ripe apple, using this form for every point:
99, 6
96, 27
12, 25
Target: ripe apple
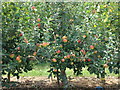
33, 7
39, 25
58, 51
79, 41
83, 51
63, 60
65, 57
18, 48
68, 56
89, 60
38, 19
84, 60
92, 47
34, 53
73, 55
64, 40
64, 37
18, 58
12, 55
26, 41
54, 60
84, 36
20, 34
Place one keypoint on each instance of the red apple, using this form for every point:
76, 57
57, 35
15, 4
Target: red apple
65, 57
38, 19
54, 60
18, 58
64, 40
34, 53
68, 56
92, 47
84, 36
39, 25
83, 51
55, 70
18, 48
33, 7
89, 60
79, 41
20, 34
63, 60
58, 51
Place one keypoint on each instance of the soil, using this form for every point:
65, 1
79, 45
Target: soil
75, 83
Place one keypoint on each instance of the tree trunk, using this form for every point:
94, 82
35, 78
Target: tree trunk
8, 77
64, 79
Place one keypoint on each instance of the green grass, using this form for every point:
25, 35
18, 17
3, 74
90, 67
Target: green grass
41, 70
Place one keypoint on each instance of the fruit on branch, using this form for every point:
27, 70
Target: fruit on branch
12, 55
62, 60
58, 51
64, 40
64, 37
92, 47
34, 53
38, 19
54, 60
33, 7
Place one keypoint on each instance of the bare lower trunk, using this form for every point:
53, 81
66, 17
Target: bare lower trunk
64, 79
8, 77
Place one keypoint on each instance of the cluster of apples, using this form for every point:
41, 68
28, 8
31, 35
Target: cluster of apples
18, 58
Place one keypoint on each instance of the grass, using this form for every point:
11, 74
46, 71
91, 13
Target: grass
41, 70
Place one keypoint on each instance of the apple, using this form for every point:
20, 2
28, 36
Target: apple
20, 34
54, 60
39, 25
71, 63
89, 60
84, 60
12, 55
18, 58
92, 47
68, 56
79, 41
105, 65
65, 57
37, 44
34, 53
83, 51
18, 48
84, 36
63, 60
73, 55
95, 52
58, 51
64, 37
45, 44
55, 70
26, 41
64, 40
38, 19
33, 7
99, 56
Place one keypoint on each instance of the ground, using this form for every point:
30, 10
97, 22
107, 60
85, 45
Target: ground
75, 83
